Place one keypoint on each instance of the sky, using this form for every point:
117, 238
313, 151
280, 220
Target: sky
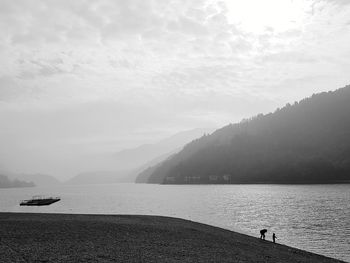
93, 77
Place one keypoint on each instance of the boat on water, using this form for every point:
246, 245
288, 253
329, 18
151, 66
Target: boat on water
39, 200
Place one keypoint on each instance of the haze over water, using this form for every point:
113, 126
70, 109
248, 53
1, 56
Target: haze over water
310, 217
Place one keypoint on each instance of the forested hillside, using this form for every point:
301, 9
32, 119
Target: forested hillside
307, 142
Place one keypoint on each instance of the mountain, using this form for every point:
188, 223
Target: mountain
100, 177
127, 176
144, 173
38, 179
5, 182
307, 142
125, 165
139, 156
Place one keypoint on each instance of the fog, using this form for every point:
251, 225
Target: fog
83, 80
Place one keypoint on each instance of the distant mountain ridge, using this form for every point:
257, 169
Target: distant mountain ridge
125, 165
100, 177
5, 182
147, 170
307, 142
135, 157
38, 179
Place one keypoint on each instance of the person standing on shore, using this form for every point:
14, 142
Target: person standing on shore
262, 233
274, 238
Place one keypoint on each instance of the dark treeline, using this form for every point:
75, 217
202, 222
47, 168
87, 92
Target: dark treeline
5, 182
307, 142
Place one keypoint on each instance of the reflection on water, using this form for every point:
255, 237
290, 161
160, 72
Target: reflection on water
310, 217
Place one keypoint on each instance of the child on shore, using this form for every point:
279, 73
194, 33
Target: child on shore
274, 238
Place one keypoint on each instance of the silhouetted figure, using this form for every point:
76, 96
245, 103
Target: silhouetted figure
274, 238
262, 233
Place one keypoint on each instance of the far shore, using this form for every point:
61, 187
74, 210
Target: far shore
29, 237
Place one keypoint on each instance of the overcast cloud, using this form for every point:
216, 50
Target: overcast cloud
84, 77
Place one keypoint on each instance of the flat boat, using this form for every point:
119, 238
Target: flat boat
39, 201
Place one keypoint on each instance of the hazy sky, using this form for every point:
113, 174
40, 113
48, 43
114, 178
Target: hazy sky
84, 77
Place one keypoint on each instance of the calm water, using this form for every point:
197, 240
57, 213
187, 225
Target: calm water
310, 217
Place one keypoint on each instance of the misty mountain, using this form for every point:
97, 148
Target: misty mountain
125, 165
144, 173
307, 142
38, 179
139, 156
100, 177
5, 182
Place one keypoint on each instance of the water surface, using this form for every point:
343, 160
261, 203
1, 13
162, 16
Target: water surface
310, 217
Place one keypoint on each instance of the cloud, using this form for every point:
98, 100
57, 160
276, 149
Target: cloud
9, 89
109, 47
110, 42
86, 69
41, 68
290, 57
336, 2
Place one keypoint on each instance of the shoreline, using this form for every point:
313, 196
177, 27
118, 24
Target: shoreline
36, 237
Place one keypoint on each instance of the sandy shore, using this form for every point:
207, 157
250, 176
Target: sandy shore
130, 238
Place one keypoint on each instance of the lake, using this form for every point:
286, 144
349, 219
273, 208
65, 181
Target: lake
310, 217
